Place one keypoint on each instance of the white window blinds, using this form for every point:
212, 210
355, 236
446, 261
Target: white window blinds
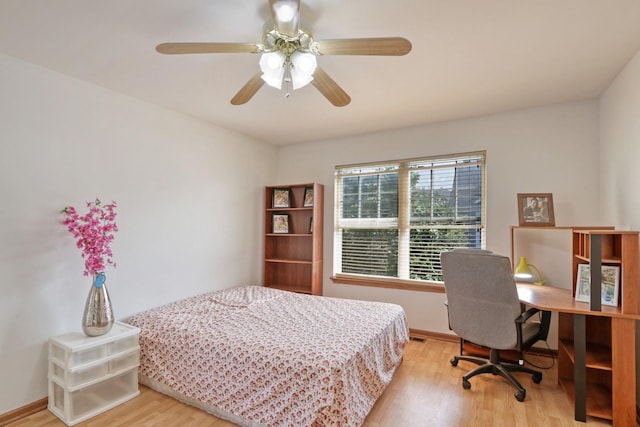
393, 219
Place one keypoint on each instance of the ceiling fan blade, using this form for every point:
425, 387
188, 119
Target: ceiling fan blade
330, 88
286, 16
390, 46
248, 90
180, 48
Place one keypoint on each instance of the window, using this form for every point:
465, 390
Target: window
393, 219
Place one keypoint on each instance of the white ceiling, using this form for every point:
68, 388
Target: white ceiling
469, 57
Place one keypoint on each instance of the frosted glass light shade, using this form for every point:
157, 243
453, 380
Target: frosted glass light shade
303, 66
272, 66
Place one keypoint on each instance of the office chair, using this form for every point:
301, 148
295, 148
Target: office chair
483, 308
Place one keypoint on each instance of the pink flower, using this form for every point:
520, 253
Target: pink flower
94, 232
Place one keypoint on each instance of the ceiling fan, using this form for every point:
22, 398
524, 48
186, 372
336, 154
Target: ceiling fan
289, 55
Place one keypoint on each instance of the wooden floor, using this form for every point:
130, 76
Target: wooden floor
426, 391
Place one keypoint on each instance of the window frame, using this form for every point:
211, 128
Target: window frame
403, 222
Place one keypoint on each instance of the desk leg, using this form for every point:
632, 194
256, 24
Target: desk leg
579, 367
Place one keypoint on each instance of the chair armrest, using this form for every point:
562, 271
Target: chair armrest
544, 325
527, 315
545, 322
446, 303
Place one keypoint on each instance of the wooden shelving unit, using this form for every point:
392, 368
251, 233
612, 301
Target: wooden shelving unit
609, 371
293, 259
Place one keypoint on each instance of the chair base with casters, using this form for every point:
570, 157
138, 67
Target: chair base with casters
496, 367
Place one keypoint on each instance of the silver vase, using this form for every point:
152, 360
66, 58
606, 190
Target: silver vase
98, 315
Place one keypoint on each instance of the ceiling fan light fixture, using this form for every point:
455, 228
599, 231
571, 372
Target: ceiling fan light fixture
272, 66
288, 54
303, 66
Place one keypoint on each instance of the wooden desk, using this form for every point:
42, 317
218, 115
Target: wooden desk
590, 360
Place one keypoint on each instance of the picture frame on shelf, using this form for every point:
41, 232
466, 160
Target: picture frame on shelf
280, 224
281, 198
536, 210
308, 197
610, 284
311, 225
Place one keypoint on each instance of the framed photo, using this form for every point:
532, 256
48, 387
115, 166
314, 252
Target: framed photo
280, 198
280, 224
308, 197
610, 284
536, 210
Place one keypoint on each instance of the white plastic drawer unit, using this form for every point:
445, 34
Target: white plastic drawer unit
89, 375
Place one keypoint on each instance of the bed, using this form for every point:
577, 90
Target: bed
259, 356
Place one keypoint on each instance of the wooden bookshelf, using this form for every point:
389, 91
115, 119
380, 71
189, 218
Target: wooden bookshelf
293, 258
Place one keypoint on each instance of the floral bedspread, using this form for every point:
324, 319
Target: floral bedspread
259, 356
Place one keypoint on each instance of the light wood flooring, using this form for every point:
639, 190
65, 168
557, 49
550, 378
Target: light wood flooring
426, 391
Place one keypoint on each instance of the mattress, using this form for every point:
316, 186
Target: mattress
263, 357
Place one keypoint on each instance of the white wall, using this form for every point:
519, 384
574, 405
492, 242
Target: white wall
620, 148
620, 153
190, 210
547, 150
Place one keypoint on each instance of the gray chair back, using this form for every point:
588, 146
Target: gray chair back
482, 297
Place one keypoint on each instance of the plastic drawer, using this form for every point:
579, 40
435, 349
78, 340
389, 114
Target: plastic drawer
76, 406
79, 377
79, 358
122, 345
129, 360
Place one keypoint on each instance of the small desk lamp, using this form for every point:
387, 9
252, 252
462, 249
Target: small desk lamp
523, 272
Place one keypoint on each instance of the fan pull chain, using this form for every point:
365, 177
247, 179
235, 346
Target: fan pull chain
288, 88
